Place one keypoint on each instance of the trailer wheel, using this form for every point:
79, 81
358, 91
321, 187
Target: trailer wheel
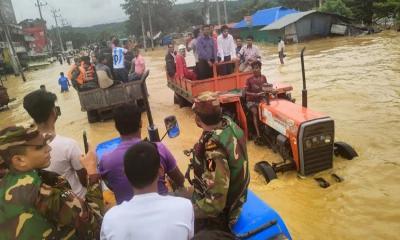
265, 169
181, 101
92, 116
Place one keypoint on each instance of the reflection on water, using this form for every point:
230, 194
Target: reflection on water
354, 80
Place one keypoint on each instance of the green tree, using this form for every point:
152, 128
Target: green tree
161, 13
336, 6
363, 10
388, 8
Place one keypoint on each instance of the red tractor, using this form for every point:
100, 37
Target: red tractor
304, 138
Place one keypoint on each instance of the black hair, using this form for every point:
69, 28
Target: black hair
8, 154
250, 37
116, 42
255, 64
224, 27
210, 119
141, 164
85, 59
239, 37
206, 25
40, 104
42, 87
196, 32
101, 57
127, 119
62, 73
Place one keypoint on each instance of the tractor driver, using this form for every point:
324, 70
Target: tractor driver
253, 95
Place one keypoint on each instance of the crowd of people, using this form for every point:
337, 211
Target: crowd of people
103, 66
209, 48
50, 190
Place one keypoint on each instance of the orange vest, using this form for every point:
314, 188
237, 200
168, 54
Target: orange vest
86, 75
69, 73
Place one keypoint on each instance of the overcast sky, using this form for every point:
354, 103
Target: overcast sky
79, 13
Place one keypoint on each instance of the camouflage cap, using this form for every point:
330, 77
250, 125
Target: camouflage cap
17, 135
207, 103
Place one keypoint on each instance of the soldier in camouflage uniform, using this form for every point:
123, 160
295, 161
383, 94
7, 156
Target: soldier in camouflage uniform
220, 167
36, 204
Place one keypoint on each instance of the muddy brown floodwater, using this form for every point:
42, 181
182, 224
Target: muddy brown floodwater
354, 80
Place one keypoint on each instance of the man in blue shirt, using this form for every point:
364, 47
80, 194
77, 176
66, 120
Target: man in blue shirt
64, 83
207, 53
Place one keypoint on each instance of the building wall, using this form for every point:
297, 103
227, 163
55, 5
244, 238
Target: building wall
311, 26
38, 33
8, 11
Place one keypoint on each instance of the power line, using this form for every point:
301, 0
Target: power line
56, 15
39, 4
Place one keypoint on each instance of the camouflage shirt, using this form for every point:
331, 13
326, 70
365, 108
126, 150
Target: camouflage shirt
41, 205
221, 175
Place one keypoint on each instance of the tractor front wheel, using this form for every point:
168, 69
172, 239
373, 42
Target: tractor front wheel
265, 169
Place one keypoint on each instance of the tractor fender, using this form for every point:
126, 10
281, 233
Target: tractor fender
265, 169
344, 150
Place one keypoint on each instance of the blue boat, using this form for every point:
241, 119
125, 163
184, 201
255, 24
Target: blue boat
258, 221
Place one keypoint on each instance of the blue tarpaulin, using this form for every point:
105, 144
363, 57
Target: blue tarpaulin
265, 17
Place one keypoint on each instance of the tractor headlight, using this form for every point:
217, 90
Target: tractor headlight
314, 140
328, 139
308, 143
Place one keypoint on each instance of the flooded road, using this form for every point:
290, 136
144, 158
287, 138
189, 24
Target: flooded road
354, 80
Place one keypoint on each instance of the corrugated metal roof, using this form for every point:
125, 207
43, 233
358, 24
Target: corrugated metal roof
286, 20
266, 16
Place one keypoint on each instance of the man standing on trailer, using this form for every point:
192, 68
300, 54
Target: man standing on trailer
206, 53
226, 50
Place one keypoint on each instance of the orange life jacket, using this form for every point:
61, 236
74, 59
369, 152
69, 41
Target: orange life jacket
86, 75
69, 73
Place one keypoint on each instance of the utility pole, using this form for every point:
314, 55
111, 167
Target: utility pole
14, 56
54, 12
218, 13
150, 25
206, 11
39, 4
143, 29
225, 13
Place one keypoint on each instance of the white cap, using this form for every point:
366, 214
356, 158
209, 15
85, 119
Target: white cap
181, 47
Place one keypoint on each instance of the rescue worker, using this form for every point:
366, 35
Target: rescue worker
37, 204
220, 166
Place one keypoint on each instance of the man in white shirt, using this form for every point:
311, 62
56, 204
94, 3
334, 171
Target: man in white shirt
281, 48
147, 215
250, 53
226, 50
118, 55
65, 154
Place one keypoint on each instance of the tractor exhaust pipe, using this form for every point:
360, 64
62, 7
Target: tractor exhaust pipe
304, 91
